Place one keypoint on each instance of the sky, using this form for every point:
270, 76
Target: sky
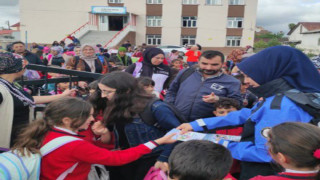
273, 15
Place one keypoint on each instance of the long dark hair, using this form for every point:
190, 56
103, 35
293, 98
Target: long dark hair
32, 136
297, 141
128, 100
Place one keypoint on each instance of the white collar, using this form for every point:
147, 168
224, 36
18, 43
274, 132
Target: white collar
301, 172
66, 130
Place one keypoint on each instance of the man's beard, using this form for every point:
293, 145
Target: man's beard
209, 72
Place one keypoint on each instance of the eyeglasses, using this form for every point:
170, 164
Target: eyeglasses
105, 92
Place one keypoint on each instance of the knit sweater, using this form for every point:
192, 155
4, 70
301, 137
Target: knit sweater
73, 160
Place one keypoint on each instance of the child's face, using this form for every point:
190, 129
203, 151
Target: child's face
63, 86
177, 64
223, 111
149, 89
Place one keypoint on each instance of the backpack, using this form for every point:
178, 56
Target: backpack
309, 102
155, 174
148, 118
16, 167
186, 74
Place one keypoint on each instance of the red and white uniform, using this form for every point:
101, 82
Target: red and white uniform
72, 161
290, 174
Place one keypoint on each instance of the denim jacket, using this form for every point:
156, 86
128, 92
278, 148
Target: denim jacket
137, 132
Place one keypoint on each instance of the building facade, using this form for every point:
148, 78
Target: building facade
219, 24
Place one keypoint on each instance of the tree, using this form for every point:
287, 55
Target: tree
273, 42
260, 44
291, 26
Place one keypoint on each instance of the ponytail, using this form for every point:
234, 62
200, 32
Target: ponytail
31, 137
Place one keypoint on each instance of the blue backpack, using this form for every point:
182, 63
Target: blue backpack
13, 166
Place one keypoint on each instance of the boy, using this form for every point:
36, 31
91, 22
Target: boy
199, 160
223, 107
147, 84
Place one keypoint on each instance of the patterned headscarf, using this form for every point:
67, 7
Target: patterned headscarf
10, 63
316, 61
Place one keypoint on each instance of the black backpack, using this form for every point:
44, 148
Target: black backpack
148, 118
186, 74
309, 102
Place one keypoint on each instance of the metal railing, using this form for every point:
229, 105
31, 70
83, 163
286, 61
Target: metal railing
74, 32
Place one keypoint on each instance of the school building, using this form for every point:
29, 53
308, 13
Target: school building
218, 24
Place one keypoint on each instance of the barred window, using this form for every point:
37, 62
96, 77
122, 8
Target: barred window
213, 2
115, 1
154, 1
236, 2
189, 40
189, 1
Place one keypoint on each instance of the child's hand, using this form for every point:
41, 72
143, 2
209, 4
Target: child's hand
99, 129
69, 92
166, 139
164, 166
185, 127
211, 98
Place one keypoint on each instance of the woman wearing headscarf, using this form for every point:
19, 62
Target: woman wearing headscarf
88, 61
121, 59
55, 58
16, 105
270, 74
152, 66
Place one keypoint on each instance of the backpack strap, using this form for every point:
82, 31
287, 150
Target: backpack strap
56, 143
137, 69
186, 74
276, 102
147, 115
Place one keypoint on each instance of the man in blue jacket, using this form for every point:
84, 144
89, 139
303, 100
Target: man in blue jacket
195, 96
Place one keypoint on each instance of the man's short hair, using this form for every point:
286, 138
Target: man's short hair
199, 160
211, 54
227, 103
17, 42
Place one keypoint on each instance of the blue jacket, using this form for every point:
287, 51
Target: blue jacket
264, 117
139, 132
187, 96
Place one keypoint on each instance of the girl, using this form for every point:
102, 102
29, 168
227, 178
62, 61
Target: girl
126, 106
296, 147
66, 117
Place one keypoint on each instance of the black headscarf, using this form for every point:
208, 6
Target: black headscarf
148, 68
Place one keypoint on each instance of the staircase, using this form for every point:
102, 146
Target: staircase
97, 37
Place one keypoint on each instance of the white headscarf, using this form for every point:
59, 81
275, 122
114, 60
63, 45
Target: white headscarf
90, 60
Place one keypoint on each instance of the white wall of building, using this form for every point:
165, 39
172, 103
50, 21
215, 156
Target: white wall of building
212, 24
250, 14
171, 22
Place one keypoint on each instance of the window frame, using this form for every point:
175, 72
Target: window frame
155, 22
216, 2
154, 1
190, 2
155, 38
233, 22
236, 40
191, 22
234, 2
189, 39
114, 1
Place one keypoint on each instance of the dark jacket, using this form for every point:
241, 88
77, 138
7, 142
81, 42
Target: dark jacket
32, 58
187, 96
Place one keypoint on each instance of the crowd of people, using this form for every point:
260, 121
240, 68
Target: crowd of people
270, 99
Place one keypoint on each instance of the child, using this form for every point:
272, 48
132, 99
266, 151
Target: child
222, 108
199, 160
296, 147
249, 99
147, 84
65, 117
177, 64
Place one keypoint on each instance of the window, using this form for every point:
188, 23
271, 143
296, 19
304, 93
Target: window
235, 22
213, 2
236, 2
189, 40
153, 21
233, 41
115, 1
189, 1
154, 1
189, 21
153, 39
